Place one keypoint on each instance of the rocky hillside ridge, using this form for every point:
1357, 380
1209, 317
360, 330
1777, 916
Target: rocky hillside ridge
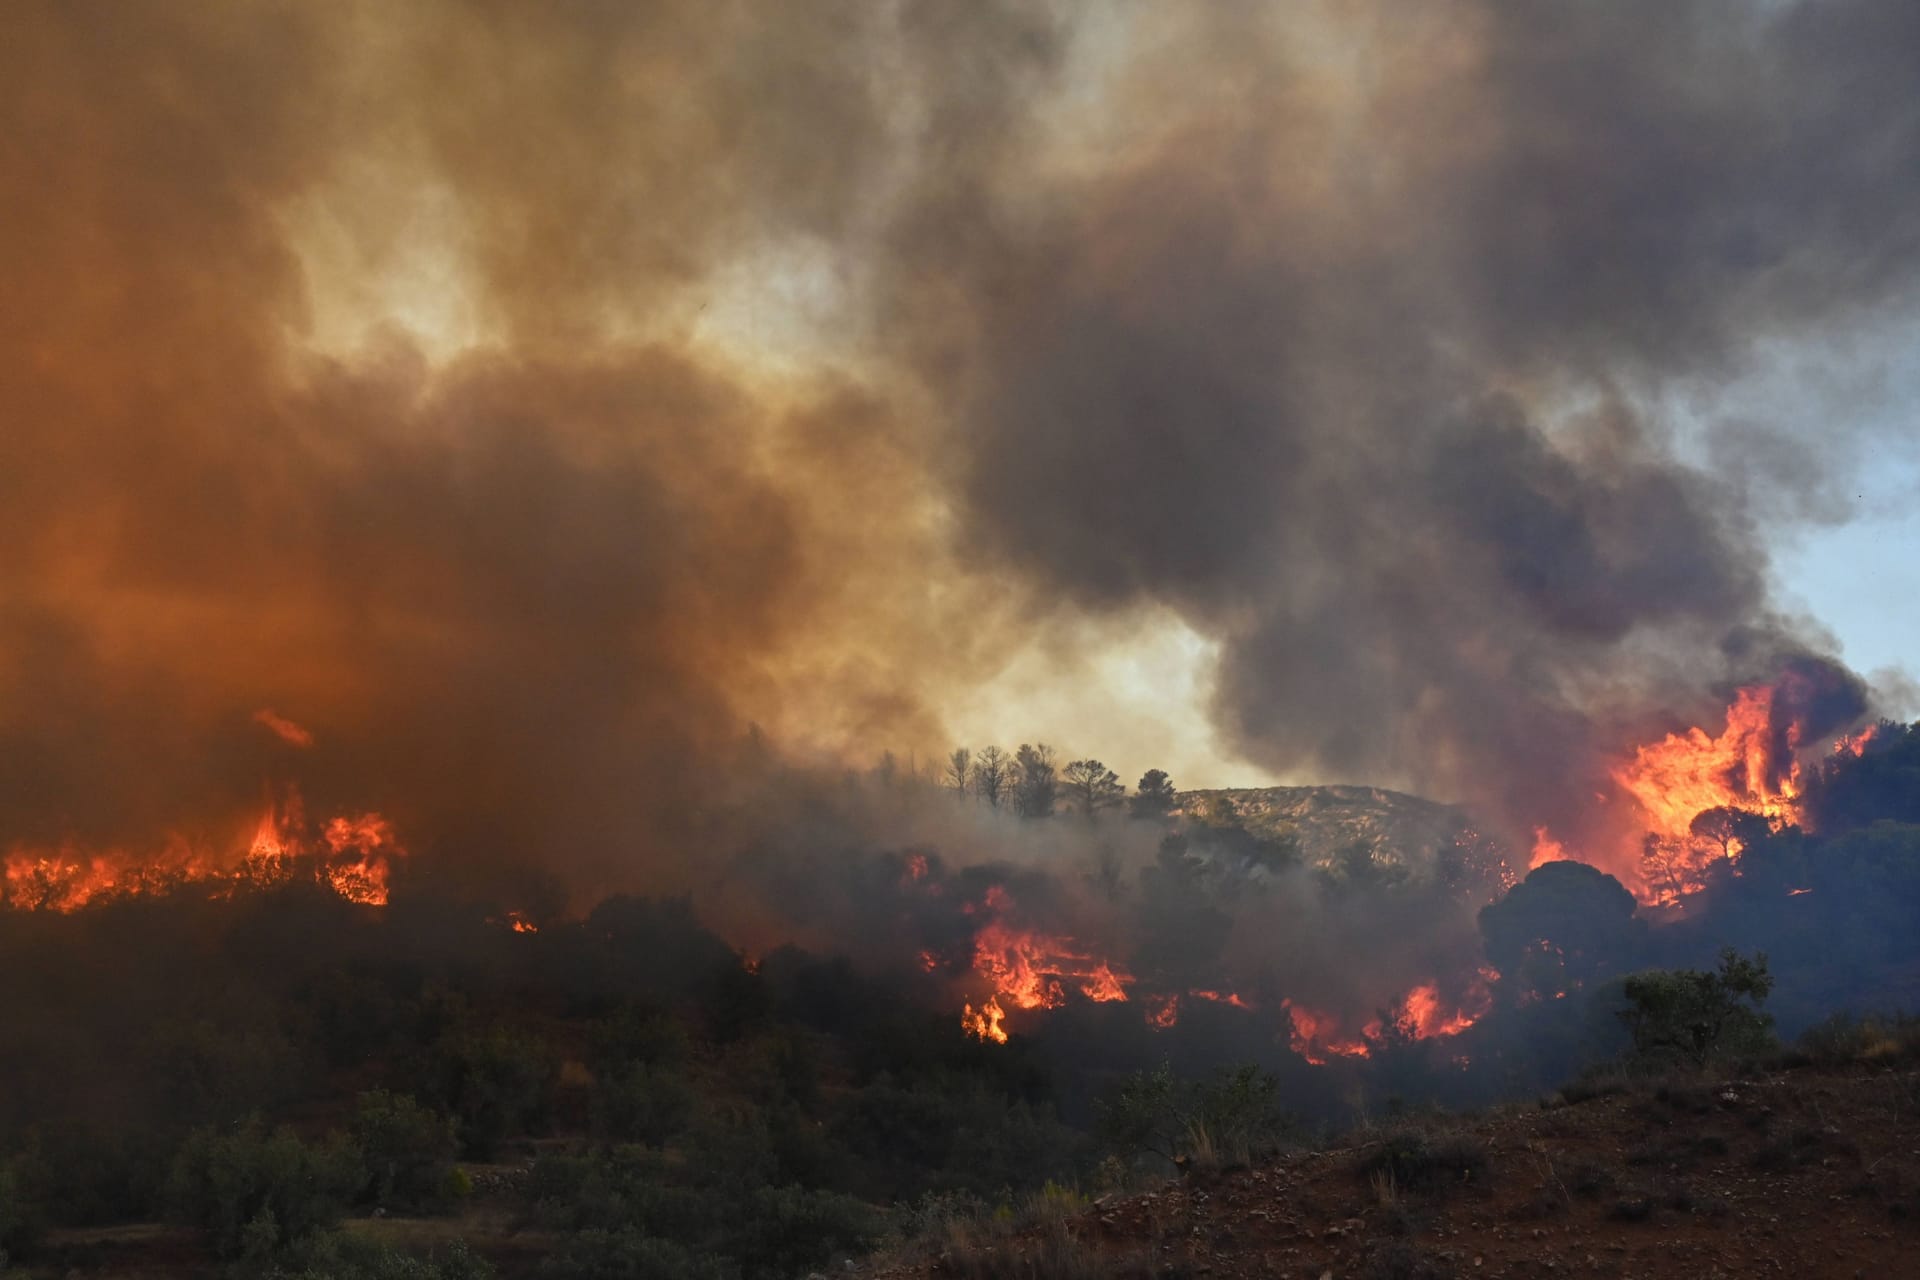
1401, 829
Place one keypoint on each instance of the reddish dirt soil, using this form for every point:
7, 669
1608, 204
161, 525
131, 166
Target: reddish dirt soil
1802, 1173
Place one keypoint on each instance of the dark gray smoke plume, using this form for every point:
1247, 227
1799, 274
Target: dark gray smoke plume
1343, 331
1359, 368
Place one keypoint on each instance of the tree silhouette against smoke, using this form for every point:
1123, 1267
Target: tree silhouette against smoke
1036, 782
959, 773
1559, 929
1154, 797
1092, 786
992, 772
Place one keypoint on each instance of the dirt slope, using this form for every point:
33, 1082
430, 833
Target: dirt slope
1792, 1174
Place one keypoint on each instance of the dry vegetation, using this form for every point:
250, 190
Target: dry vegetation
1809, 1166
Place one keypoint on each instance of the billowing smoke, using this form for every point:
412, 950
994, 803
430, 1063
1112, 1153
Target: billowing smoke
1360, 340
1356, 348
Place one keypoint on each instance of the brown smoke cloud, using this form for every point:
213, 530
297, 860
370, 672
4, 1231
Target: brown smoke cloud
1336, 336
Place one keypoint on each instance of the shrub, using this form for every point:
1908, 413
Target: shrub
626, 1254
637, 1034
254, 1192
1226, 1120
1415, 1162
790, 1230
1699, 1017
336, 1255
407, 1151
1844, 1039
495, 1085
643, 1104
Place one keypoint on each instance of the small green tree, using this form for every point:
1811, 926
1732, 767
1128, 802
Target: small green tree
1700, 1017
1227, 1119
407, 1150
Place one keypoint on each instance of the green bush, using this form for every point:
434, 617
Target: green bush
338, 1255
407, 1151
254, 1192
1416, 1162
496, 1085
1228, 1119
790, 1230
637, 1034
626, 1254
642, 1104
1700, 1017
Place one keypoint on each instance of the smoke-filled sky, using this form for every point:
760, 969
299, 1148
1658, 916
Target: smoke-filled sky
527, 399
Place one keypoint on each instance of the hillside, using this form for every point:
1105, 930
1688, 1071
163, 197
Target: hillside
1399, 828
1802, 1173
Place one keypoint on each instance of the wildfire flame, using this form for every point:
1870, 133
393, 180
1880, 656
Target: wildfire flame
1033, 970
985, 1023
353, 856
1422, 1014
1682, 776
1751, 766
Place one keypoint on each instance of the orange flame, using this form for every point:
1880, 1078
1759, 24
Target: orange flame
1316, 1035
985, 1024
1422, 1014
1546, 849
1222, 997
1751, 765
353, 857
1031, 970
1680, 777
1855, 744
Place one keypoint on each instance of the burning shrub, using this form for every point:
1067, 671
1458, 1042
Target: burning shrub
254, 1192
1700, 1017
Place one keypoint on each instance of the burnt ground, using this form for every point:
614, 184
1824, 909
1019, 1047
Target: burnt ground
1800, 1173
